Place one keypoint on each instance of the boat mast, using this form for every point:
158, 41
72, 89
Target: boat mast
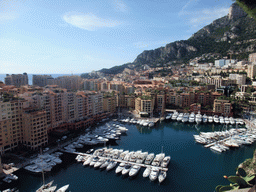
42, 166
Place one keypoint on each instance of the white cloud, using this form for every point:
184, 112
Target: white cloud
10, 10
120, 5
89, 21
186, 6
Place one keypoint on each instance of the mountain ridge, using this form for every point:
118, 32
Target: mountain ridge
233, 34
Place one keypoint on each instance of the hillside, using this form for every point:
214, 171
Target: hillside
234, 35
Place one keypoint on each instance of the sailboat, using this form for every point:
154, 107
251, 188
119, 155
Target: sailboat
44, 186
63, 189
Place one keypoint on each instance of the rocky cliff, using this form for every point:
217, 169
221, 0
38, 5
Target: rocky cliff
233, 34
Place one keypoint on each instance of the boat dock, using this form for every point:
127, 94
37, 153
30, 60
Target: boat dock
118, 160
214, 143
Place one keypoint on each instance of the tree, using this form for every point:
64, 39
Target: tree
248, 6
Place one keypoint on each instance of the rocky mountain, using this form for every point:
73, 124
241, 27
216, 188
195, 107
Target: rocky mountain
233, 34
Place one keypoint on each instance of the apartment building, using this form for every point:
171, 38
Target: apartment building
92, 85
223, 107
144, 105
11, 123
160, 103
187, 99
127, 101
16, 79
35, 128
82, 105
95, 103
41, 80
117, 86
72, 83
240, 78
110, 103
251, 72
252, 57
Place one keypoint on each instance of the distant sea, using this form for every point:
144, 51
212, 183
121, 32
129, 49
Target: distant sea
30, 76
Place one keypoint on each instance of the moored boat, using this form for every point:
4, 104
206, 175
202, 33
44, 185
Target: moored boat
63, 189
134, 170
153, 174
162, 175
147, 171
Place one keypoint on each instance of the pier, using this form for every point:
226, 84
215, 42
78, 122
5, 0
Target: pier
118, 160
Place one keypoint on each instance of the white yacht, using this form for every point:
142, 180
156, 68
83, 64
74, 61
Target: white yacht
210, 119
146, 122
63, 189
120, 168
122, 155
147, 171
99, 163
205, 118
153, 174
158, 159
141, 157
175, 115
169, 116
221, 120
166, 161
45, 186
50, 189
134, 156
134, 170
126, 169
162, 176
226, 120
94, 160
149, 158
180, 117
185, 118
232, 121
138, 122
216, 119
88, 161
127, 156
142, 121
191, 118
151, 124
198, 118
104, 165
111, 165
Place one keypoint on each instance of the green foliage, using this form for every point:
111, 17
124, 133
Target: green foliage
241, 181
227, 188
248, 6
146, 97
241, 172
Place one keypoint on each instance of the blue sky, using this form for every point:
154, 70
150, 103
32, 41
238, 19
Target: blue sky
64, 36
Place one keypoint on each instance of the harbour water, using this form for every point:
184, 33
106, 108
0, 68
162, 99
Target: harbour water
192, 168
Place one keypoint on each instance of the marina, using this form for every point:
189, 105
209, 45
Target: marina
100, 156
188, 159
